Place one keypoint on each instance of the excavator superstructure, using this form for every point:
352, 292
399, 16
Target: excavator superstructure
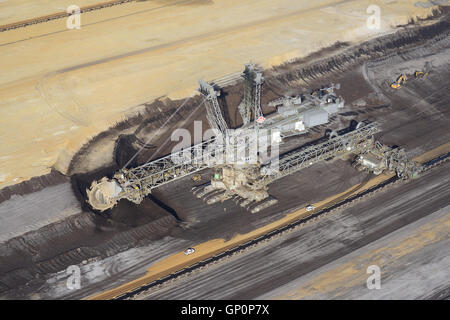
246, 161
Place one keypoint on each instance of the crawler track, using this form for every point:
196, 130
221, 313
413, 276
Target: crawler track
273, 234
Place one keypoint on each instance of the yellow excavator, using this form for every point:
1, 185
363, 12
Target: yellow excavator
402, 78
420, 74
196, 177
398, 83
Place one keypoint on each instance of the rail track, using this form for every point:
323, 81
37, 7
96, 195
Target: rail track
59, 15
63, 14
273, 234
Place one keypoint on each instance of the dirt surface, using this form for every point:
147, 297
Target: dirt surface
18, 10
404, 230
33, 185
138, 236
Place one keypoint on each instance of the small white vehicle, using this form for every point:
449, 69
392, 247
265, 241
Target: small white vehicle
310, 207
189, 251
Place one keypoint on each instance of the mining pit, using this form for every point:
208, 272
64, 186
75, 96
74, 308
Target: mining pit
172, 218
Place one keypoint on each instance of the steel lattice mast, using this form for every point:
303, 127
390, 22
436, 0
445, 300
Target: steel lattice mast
253, 81
213, 111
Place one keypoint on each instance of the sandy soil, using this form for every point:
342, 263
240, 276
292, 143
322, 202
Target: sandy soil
61, 87
17, 10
